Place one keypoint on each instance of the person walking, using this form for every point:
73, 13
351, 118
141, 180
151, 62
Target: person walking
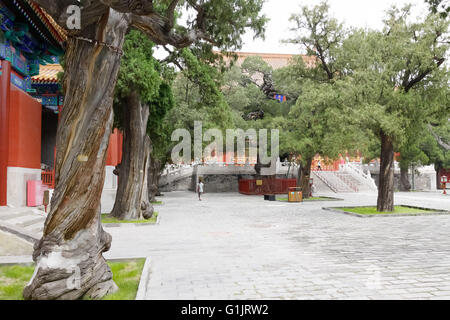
200, 189
319, 167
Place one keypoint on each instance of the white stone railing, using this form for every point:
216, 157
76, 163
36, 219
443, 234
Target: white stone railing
366, 178
324, 180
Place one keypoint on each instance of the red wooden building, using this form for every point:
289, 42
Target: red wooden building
28, 39
31, 99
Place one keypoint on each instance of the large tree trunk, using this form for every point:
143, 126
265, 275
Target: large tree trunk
153, 179
405, 185
299, 174
304, 178
132, 193
69, 261
386, 184
158, 177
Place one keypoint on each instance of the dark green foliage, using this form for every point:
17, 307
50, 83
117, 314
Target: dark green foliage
198, 96
157, 128
139, 71
227, 20
398, 80
439, 6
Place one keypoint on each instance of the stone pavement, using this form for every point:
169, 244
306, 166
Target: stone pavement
231, 246
11, 245
26, 222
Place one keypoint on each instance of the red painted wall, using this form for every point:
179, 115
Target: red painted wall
114, 156
4, 116
25, 120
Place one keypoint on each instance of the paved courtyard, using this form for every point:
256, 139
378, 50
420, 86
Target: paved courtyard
231, 246
11, 245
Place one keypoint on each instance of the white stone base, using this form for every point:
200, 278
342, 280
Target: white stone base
429, 173
17, 184
109, 190
108, 200
111, 179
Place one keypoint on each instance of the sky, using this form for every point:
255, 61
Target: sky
356, 13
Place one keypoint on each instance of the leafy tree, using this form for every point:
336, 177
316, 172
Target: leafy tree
251, 88
437, 147
400, 83
73, 229
141, 102
425, 146
207, 81
320, 35
198, 97
317, 124
160, 135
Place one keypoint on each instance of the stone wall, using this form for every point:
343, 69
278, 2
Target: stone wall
425, 181
17, 184
184, 184
214, 183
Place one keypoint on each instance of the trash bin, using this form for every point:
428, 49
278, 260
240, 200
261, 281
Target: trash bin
295, 194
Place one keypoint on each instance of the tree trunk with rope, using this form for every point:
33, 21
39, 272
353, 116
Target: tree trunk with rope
69, 260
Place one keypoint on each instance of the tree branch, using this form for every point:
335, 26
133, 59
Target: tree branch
155, 25
172, 59
139, 7
171, 14
57, 9
422, 75
324, 62
91, 11
439, 140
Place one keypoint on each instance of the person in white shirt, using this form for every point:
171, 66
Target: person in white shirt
200, 189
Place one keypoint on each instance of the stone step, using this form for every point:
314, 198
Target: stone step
11, 216
38, 230
31, 222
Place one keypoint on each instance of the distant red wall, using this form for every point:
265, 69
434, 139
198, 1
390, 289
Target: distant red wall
25, 120
114, 156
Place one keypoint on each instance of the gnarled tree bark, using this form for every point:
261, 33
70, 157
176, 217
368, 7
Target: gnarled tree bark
69, 261
385, 201
304, 179
69, 255
132, 200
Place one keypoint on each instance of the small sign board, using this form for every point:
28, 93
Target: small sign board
259, 182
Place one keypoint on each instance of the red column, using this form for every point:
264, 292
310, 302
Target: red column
5, 89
